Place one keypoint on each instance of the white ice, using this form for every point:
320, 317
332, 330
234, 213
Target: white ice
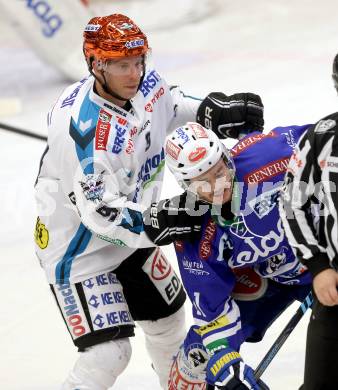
281, 49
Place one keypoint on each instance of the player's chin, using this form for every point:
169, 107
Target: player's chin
130, 92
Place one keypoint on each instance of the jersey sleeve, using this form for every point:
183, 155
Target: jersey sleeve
224, 331
209, 285
185, 108
103, 205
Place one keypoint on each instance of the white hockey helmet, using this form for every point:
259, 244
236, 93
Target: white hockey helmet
192, 150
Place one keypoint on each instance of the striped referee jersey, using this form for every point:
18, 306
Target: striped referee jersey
309, 199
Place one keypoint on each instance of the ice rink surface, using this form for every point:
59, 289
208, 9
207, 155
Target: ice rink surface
279, 49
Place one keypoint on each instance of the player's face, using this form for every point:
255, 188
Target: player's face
215, 185
123, 75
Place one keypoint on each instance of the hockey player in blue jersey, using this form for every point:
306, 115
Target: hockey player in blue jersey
241, 230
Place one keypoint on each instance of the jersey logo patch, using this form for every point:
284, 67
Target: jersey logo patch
263, 204
41, 235
93, 187
208, 237
249, 285
102, 130
268, 171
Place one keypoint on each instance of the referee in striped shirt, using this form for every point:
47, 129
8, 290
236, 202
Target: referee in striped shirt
309, 210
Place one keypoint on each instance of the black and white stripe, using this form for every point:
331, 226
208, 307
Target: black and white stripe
309, 200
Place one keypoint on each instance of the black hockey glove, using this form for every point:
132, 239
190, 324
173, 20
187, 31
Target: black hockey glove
178, 218
231, 116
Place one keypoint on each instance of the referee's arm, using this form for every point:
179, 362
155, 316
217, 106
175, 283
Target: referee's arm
295, 206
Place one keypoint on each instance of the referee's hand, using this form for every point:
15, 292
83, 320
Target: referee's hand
325, 285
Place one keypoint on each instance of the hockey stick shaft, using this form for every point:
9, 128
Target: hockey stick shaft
276, 346
26, 133
290, 326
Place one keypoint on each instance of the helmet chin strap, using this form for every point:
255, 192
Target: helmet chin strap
105, 86
108, 90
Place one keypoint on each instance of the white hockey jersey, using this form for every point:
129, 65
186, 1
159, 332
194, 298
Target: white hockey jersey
102, 167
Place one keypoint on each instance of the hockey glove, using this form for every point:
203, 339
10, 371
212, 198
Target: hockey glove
231, 116
179, 218
227, 371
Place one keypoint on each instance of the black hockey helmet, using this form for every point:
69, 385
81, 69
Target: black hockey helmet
335, 72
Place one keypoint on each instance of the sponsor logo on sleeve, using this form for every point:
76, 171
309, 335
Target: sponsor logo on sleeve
217, 324
102, 130
71, 98
268, 171
248, 142
206, 242
115, 241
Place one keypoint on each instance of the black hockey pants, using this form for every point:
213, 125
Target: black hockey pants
321, 360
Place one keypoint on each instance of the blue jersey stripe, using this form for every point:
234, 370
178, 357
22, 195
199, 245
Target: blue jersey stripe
77, 246
83, 138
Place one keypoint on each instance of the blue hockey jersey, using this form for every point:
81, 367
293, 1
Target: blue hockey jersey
254, 237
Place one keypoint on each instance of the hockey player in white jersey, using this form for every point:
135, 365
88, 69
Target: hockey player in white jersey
102, 167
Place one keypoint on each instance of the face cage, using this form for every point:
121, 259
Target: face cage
186, 183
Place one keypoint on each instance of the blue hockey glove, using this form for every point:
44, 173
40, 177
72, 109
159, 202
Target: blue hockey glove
227, 371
